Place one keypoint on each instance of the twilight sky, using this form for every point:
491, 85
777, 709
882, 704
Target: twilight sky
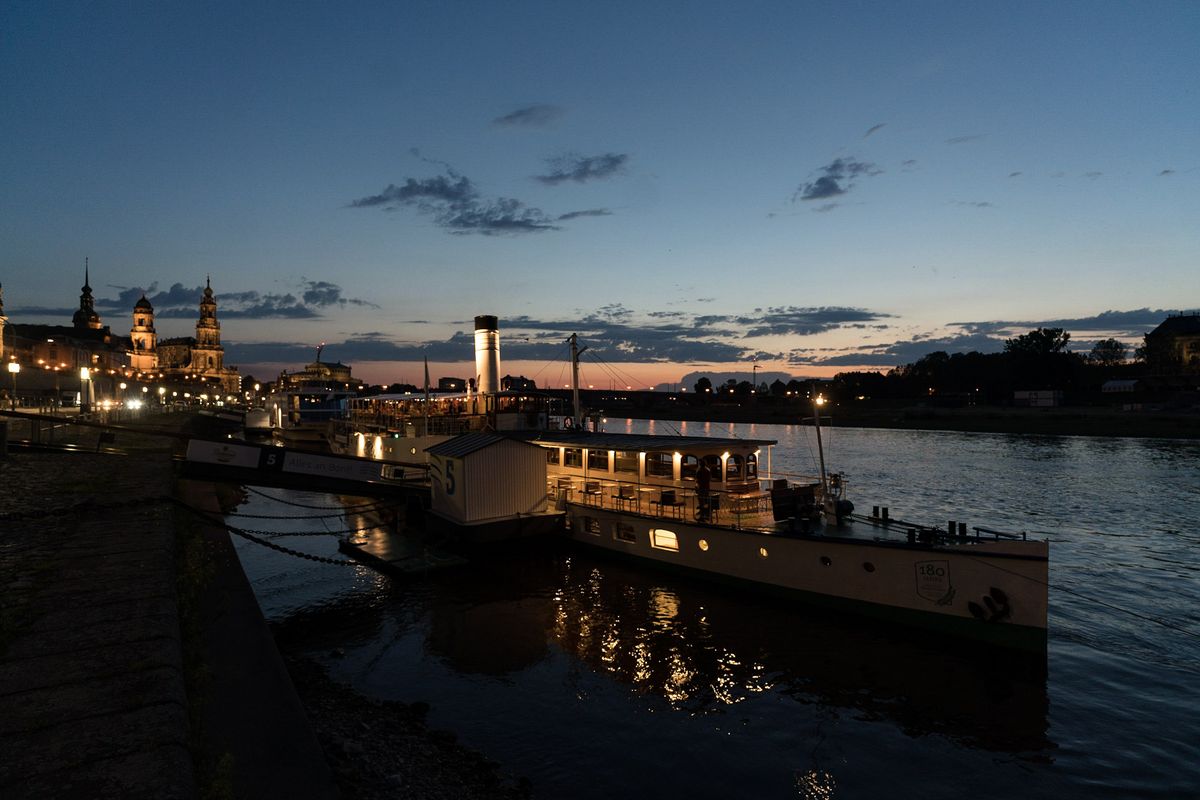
692, 187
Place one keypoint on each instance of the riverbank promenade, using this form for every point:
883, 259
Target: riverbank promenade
134, 661
92, 695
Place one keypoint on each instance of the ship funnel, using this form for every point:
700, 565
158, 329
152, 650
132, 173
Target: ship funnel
487, 353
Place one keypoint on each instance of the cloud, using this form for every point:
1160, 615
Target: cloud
1128, 323
1014, 174
826, 208
573, 167
834, 180
873, 129
790, 320
974, 203
1166, 172
183, 302
897, 353
539, 115
974, 137
1092, 175
454, 203
589, 212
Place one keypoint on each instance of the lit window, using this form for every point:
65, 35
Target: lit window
552, 455
660, 464
703, 543
625, 461
573, 457
598, 460
664, 540
762, 552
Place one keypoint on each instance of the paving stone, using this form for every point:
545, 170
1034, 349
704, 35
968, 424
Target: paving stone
25, 712
164, 772
110, 629
103, 659
65, 618
62, 748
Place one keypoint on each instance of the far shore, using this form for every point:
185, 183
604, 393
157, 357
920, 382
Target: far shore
1069, 421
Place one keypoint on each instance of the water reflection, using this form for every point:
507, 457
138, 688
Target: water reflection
700, 650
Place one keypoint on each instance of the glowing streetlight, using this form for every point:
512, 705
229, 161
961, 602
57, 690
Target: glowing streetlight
85, 393
13, 369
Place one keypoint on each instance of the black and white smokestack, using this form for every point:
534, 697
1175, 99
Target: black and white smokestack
487, 353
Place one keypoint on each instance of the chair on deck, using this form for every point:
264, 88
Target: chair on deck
668, 503
591, 492
625, 497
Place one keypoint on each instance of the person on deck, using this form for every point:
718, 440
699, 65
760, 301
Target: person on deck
703, 484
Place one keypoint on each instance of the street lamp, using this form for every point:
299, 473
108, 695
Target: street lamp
13, 369
85, 394
161, 391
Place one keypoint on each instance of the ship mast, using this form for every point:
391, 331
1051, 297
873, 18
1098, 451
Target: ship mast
819, 401
575, 353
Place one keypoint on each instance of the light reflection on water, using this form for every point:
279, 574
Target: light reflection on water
596, 678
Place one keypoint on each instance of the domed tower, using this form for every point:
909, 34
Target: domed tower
86, 316
208, 354
144, 355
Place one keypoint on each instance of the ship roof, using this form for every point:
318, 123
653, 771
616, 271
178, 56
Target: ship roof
642, 441
468, 443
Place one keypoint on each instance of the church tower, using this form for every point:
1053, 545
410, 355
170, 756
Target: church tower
208, 354
144, 355
86, 316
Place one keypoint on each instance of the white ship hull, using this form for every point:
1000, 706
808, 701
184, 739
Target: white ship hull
989, 590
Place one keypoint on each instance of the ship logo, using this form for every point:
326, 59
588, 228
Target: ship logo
933, 582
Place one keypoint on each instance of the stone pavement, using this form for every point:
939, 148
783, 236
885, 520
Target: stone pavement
101, 696
92, 696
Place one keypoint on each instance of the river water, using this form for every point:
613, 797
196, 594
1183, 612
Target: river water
599, 679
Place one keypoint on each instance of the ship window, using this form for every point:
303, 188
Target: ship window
688, 467
552, 455
762, 552
751, 466
573, 457
664, 540
624, 533
625, 461
591, 525
703, 545
660, 464
598, 460
733, 467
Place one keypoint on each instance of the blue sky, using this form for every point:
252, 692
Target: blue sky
689, 186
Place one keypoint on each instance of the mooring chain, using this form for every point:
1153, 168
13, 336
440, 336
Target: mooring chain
341, 562
286, 534
363, 507
278, 516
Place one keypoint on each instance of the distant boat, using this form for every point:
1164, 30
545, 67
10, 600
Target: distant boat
304, 406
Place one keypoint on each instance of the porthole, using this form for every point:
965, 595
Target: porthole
826, 561
762, 552
703, 544
868, 566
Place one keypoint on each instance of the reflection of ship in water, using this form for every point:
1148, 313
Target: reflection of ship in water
698, 648
704, 650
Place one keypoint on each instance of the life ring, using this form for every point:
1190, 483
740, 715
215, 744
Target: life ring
568, 422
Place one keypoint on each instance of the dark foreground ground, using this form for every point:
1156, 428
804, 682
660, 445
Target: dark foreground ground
134, 662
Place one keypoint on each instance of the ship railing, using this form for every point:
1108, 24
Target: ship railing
748, 506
